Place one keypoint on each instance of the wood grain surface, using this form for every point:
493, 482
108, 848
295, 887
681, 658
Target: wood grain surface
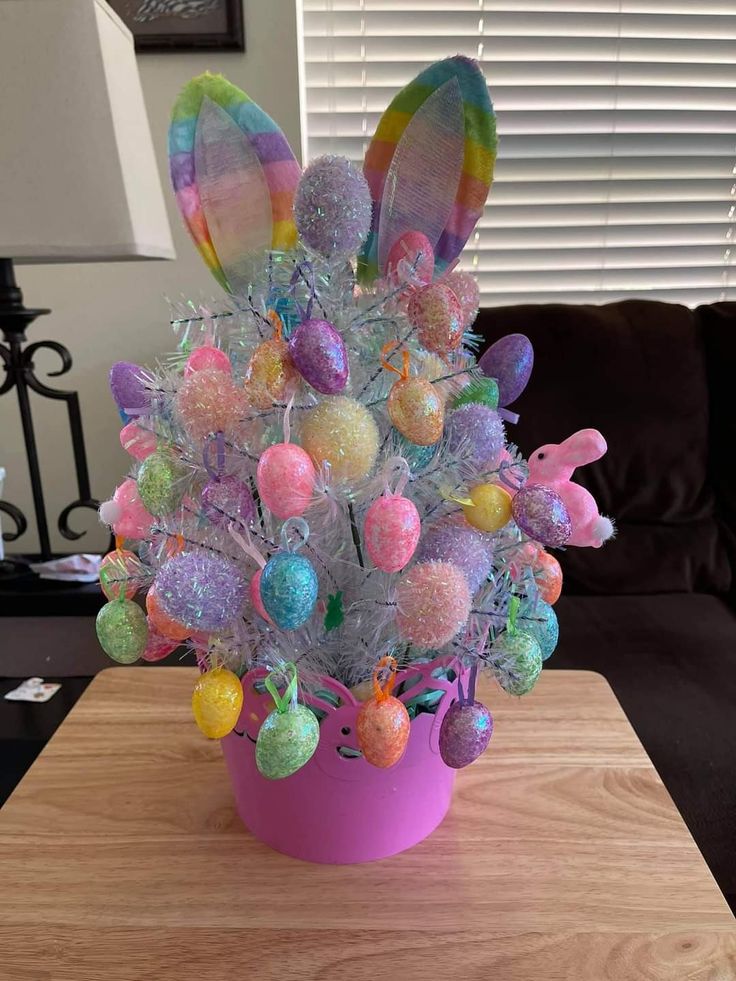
563, 857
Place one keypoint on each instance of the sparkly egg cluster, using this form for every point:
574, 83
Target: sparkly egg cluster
322, 481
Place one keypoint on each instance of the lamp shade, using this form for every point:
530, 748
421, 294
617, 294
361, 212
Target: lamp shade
78, 175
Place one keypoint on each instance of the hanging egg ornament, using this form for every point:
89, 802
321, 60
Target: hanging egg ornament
510, 361
383, 725
435, 312
289, 584
481, 390
121, 574
209, 401
414, 407
271, 375
319, 354
392, 528
488, 507
125, 512
516, 659
227, 500
161, 483
333, 207
201, 590
411, 259
136, 441
161, 621
418, 457
433, 603
122, 630
466, 729
478, 431
127, 384
289, 736
216, 702
285, 478
541, 514
255, 596
207, 358
452, 539
342, 432
157, 647
548, 577
465, 288
541, 623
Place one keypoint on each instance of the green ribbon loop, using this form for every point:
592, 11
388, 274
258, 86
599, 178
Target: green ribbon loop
282, 702
514, 604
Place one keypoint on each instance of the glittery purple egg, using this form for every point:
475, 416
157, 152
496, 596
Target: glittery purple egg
320, 356
479, 429
452, 539
201, 590
541, 514
228, 500
128, 389
510, 361
333, 207
465, 733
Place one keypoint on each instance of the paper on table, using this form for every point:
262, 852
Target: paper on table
84, 567
33, 690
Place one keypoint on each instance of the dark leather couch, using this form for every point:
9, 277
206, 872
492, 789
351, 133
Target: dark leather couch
653, 611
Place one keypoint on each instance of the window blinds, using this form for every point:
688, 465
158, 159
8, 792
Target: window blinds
616, 174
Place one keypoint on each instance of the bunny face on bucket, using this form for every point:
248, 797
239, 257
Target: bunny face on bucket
554, 464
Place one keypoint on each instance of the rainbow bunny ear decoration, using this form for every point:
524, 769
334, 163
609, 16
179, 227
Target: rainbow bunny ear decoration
234, 175
430, 164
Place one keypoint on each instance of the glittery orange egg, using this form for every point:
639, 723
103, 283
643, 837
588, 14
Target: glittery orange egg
382, 729
161, 620
548, 577
436, 314
342, 432
416, 410
271, 375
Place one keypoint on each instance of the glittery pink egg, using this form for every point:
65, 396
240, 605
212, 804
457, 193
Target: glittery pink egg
465, 288
207, 357
285, 479
157, 646
255, 596
411, 258
125, 513
209, 401
121, 573
433, 603
392, 529
436, 314
136, 441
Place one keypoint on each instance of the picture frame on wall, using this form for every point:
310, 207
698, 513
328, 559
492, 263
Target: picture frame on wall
183, 25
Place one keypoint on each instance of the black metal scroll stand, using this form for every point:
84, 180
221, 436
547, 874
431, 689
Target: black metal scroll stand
16, 357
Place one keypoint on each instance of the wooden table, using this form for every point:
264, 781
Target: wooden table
563, 857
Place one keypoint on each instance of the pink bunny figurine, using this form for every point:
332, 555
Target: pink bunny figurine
553, 465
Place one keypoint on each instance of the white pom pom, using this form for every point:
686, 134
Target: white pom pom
604, 529
110, 512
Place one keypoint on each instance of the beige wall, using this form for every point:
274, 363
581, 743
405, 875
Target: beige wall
112, 312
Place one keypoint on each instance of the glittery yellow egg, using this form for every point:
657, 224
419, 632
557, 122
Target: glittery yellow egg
416, 410
490, 508
216, 702
271, 375
343, 433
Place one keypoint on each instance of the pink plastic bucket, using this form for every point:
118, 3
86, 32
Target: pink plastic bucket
339, 809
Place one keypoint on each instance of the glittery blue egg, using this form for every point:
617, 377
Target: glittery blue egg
418, 457
543, 626
289, 589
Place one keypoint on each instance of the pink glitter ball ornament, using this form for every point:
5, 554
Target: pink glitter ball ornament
125, 513
136, 441
209, 401
285, 479
436, 314
433, 603
465, 288
206, 358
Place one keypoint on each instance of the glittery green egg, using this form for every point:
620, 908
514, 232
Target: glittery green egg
161, 483
517, 661
482, 390
122, 630
286, 741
